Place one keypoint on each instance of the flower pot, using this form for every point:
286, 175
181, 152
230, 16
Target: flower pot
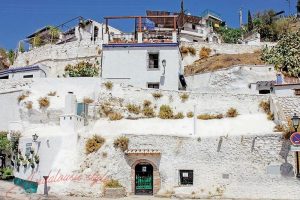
32, 166
12, 163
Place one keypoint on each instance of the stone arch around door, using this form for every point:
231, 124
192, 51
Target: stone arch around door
156, 175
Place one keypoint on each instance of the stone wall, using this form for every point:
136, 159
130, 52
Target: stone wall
230, 167
56, 57
221, 49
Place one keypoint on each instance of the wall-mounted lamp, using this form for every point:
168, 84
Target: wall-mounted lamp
35, 137
164, 64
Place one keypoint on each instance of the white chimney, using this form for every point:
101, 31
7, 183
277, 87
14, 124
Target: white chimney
70, 104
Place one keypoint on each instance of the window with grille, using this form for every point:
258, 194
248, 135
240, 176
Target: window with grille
153, 85
186, 177
153, 61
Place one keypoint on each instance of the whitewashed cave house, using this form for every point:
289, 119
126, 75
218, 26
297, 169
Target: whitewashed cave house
146, 58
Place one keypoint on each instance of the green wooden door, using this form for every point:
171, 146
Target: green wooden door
144, 179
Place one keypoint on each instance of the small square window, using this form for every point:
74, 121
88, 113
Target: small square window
193, 26
153, 85
153, 61
186, 177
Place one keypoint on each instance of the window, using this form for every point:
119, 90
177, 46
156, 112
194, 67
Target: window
28, 76
153, 61
297, 92
193, 26
153, 85
186, 177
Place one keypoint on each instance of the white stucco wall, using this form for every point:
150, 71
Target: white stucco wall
233, 80
131, 65
20, 75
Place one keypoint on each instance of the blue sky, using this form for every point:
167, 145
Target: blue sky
19, 18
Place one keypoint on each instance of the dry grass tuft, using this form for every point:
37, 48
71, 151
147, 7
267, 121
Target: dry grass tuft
112, 184
132, 108
22, 97
121, 142
114, 116
148, 112
94, 144
147, 103
87, 100
165, 112
106, 109
29, 105
222, 61
52, 94
210, 116
184, 97
190, 114
157, 95
108, 85
184, 50
44, 102
265, 106
192, 50
179, 115
204, 53
232, 112
279, 128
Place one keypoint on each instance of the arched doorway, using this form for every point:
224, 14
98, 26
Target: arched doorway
144, 179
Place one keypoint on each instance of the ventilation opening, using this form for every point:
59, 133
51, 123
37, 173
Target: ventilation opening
264, 91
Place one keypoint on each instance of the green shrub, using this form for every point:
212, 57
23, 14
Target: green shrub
165, 112
132, 108
114, 116
108, 85
184, 97
7, 172
112, 184
232, 112
82, 69
148, 112
179, 115
210, 116
190, 114
121, 142
94, 144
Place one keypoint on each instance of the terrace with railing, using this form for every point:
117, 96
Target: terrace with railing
150, 29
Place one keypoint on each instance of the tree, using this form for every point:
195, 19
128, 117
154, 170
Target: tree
230, 35
285, 55
21, 47
11, 56
250, 22
4, 142
54, 34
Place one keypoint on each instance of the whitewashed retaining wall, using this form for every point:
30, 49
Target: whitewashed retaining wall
57, 57
252, 165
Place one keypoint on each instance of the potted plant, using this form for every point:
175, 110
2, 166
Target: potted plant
36, 159
7, 174
12, 163
24, 163
18, 162
32, 164
31, 150
113, 189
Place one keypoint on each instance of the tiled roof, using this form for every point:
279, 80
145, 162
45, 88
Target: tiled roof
142, 151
